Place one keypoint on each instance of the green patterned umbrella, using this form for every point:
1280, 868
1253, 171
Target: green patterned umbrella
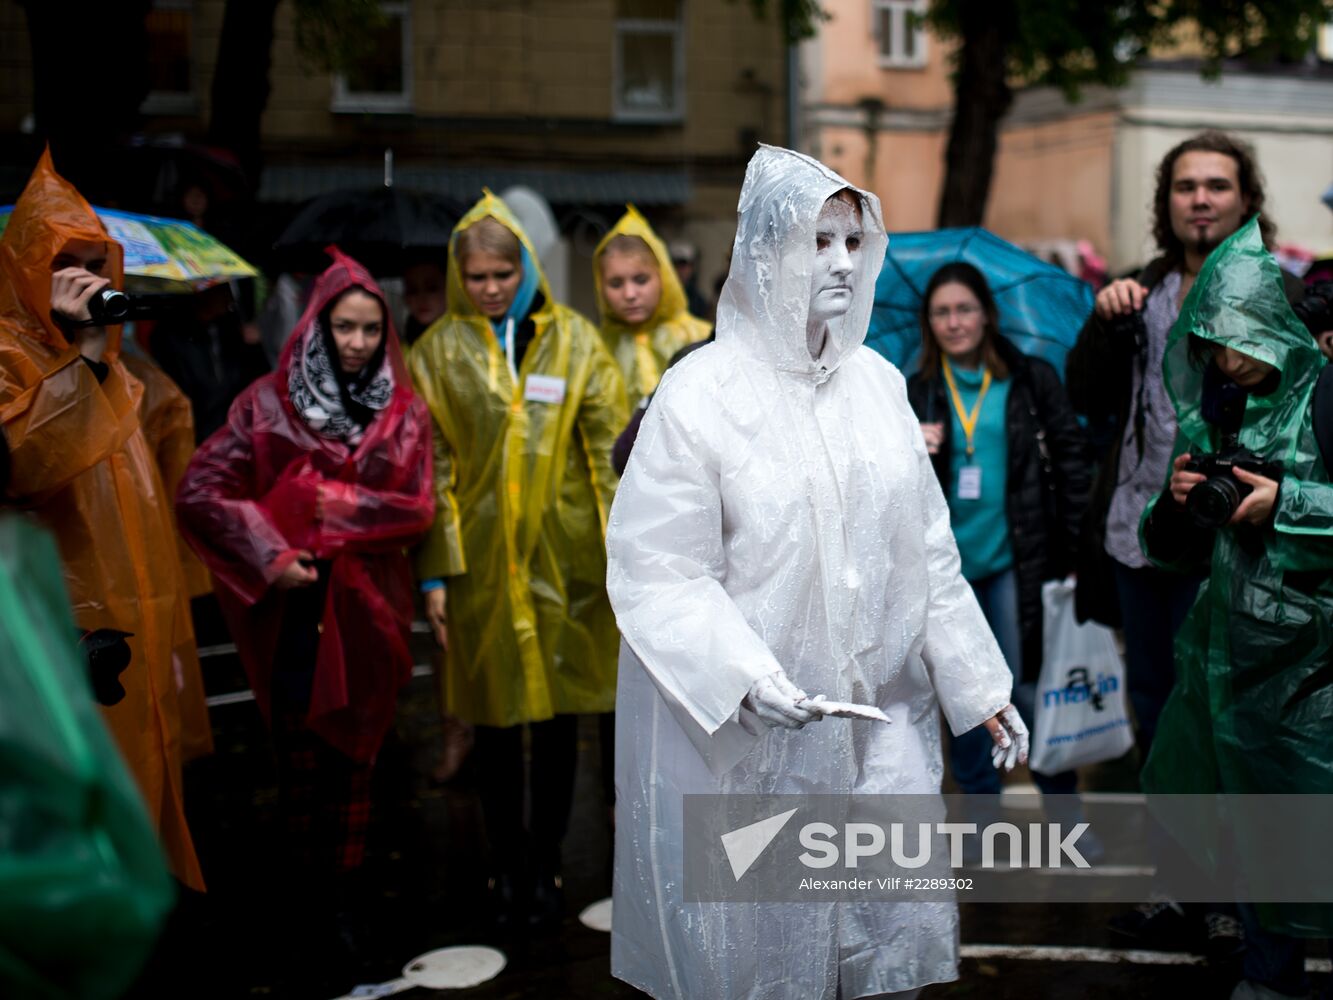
166, 255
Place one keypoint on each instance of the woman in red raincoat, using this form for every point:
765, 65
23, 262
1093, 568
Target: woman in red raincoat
302, 506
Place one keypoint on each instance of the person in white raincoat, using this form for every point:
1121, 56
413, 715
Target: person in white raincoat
779, 531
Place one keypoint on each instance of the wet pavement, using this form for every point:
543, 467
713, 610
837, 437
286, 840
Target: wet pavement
424, 884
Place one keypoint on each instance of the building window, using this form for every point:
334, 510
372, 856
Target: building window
170, 29
648, 71
898, 31
382, 82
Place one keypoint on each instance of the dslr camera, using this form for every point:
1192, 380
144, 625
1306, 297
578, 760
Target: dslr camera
1316, 309
110, 307
1213, 502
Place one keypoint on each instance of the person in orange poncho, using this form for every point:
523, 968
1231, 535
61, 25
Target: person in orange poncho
168, 428
68, 409
303, 506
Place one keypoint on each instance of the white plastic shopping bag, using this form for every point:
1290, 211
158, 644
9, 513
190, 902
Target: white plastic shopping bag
1081, 715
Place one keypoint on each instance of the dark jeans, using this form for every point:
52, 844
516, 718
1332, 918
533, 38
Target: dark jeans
1153, 604
1275, 960
499, 756
969, 754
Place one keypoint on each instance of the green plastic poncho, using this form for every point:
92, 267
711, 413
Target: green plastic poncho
83, 884
523, 486
643, 352
1250, 712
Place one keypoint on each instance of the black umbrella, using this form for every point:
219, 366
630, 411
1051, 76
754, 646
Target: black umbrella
383, 228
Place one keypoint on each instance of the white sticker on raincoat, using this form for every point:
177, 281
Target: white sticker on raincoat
544, 389
969, 482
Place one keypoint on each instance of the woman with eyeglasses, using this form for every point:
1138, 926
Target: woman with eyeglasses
1012, 461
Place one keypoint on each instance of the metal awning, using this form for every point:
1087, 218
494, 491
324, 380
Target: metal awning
297, 182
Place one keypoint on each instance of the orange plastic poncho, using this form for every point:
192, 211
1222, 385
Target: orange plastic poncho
168, 427
81, 463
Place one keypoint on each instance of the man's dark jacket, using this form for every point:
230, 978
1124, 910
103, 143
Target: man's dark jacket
1099, 374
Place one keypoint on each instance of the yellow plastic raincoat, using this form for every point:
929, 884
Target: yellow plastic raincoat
523, 486
168, 427
81, 463
643, 352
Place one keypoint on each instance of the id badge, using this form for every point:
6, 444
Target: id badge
969, 482
544, 389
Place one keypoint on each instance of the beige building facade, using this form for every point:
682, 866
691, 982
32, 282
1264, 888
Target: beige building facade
590, 103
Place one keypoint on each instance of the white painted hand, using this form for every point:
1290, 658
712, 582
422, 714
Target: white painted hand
1011, 738
773, 699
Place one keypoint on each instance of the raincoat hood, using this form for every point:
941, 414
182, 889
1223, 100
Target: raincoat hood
766, 300
1239, 301
48, 216
342, 274
673, 301
491, 207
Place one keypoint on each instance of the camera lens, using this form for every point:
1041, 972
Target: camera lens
109, 306
1212, 502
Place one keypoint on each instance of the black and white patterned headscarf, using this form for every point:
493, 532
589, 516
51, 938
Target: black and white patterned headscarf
332, 403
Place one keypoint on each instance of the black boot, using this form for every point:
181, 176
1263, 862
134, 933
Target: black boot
548, 901
506, 898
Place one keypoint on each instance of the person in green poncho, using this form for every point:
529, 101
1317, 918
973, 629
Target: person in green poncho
1249, 712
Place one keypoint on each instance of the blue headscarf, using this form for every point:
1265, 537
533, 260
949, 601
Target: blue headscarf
527, 291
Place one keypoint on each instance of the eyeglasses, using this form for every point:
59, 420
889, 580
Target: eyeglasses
964, 310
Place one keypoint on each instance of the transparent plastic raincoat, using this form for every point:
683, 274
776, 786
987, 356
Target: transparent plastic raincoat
266, 485
644, 352
81, 463
1250, 709
779, 512
523, 486
168, 427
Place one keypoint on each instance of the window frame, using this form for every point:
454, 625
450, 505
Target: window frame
347, 101
900, 10
649, 26
172, 103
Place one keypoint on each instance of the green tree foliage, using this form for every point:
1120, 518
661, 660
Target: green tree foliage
1070, 43
800, 19
332, 35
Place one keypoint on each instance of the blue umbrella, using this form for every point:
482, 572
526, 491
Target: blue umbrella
1042, 306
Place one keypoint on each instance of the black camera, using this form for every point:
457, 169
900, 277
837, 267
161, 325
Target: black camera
109, 306
1213, 502
1129, 327
1316, 309
107, 654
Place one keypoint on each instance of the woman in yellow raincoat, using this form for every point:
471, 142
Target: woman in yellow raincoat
645, 319
526, 402
68, 408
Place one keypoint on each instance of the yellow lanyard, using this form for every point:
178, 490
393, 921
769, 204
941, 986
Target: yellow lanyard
968, 420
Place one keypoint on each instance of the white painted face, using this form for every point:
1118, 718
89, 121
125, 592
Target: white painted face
837, 254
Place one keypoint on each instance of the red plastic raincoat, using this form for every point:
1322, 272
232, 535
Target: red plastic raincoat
82, 465
248, 503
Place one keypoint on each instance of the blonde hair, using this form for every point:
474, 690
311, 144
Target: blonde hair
626, 245
488, 236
